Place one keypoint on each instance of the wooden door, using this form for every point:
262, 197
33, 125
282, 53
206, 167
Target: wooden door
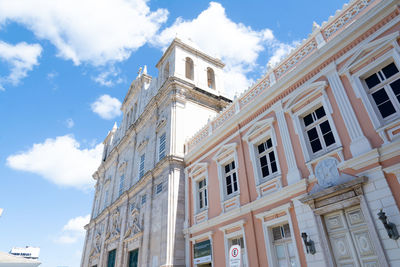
350, 239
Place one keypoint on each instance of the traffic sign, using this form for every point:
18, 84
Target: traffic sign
234, 256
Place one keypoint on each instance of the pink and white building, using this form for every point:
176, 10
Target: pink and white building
297, 168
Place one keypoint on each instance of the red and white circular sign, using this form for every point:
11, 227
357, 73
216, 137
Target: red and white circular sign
234, 256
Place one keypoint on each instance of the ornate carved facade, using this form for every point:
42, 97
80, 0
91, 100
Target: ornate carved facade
137, 217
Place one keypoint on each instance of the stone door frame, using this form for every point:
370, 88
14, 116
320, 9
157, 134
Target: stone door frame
339, 197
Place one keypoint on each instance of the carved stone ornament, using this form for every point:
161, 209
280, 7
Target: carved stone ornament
97, 245
161, 123
327, 173
134, 225
115, 225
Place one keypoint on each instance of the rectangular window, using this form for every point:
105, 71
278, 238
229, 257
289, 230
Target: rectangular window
283, 246
141, 166
159, 188
238, 240
143, 201
266, 156
318, 130
161, 153
384, 90
133, 258
121, 184
231, 181
132, 206
202, 193
111, 258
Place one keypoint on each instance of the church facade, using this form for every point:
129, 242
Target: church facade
303, 169
138, 210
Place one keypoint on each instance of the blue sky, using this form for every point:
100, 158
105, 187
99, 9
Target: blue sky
65, 67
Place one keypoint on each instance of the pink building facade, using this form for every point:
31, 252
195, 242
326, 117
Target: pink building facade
296, 170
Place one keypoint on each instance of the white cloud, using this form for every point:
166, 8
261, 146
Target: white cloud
280, 50
93, 31
69, 123
73, 230
21, 58
76, 224
109, 77
107, 107
238, 45
61, 161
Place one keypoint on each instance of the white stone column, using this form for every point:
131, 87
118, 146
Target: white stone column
104, 253
293, 174
90, 232
359, 143
124, 211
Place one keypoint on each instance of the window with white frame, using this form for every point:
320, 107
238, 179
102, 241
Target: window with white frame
383, 88
162, 146
141, 166
238, 240
283, 246
231, 181
198, 174
267, 158
318, 130
202, 194
226, 159
121, 184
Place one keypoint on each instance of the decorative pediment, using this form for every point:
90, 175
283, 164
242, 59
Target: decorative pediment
225, 151
142, 144
258, 128
198, 169
161, 123
299, 95
122, 166
368, 51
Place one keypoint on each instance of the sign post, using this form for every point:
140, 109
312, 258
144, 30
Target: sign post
234, 256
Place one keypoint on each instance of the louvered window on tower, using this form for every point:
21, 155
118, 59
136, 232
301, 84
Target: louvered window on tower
143, 200
121, 184
159, 188
141, 166
162, 147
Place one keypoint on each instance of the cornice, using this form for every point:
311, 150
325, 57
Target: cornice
285, 192
308, 69
177, 42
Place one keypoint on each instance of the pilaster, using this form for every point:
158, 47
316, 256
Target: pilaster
293, 174
359, 143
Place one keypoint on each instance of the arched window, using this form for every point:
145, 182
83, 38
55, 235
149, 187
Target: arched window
210, 78
166, 71
189, 68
